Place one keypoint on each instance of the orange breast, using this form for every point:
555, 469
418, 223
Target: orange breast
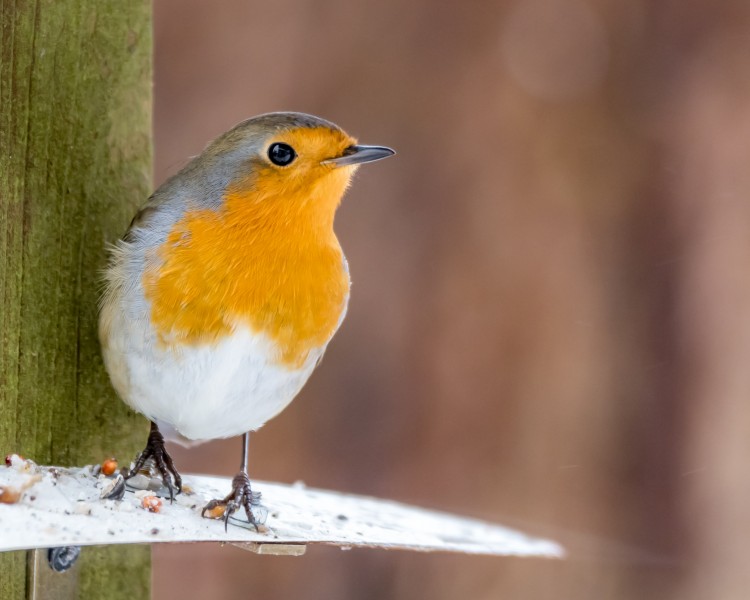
263, 261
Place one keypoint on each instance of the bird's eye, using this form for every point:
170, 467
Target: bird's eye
281, 154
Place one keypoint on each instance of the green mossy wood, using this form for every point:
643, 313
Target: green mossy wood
75, 162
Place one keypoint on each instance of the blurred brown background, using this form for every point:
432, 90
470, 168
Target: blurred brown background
549, 325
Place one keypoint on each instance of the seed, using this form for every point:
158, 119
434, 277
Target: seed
10, 495
109, 466
216, 512
151, 504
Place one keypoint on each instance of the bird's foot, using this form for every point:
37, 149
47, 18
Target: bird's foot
241, 496
157, 452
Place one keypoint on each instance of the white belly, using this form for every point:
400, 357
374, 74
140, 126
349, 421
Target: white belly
203, 392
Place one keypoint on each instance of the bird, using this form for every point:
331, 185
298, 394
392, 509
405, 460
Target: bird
222, 296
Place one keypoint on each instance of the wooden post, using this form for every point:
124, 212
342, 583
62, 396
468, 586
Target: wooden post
75, 161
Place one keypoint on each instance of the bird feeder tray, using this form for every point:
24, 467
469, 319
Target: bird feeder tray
46, 507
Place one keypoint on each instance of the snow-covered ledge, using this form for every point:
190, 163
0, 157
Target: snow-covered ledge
43, 507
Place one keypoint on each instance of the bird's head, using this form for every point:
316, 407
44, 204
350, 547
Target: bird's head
287, 162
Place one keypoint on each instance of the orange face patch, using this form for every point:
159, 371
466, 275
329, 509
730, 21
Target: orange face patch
268, 258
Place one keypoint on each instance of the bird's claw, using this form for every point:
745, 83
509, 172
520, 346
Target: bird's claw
157, 452
241, 496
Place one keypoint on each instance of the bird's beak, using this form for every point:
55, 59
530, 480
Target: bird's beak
355, 155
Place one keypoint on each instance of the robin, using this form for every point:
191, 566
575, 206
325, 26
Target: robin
228, 285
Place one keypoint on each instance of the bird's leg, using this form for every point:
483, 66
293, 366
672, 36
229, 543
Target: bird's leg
162, 460
240, 496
